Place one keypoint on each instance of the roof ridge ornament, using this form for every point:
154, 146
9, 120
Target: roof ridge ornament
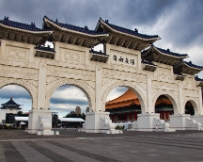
86, 27
32, 24
6, 18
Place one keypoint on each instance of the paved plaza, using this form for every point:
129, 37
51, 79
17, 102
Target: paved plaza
71, 146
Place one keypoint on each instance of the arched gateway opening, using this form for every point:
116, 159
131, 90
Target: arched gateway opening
190, 108
68, 104
164, 107
15, 101
123, 105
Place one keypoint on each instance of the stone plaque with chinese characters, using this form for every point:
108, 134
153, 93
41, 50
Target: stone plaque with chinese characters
127, 59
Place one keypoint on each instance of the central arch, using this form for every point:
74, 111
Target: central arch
79, 84
135, 88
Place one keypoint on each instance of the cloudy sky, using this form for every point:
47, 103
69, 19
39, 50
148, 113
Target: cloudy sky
179, 23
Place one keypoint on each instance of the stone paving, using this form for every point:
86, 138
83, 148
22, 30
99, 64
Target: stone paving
71, 146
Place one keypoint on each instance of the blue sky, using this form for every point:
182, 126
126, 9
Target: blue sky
179, 23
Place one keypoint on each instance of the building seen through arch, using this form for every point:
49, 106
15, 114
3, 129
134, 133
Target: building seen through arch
127, 106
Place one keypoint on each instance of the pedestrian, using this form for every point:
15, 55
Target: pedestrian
156, 128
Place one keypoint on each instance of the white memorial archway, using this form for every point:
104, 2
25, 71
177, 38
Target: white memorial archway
129, 59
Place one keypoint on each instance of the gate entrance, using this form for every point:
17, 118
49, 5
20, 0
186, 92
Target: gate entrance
129, 59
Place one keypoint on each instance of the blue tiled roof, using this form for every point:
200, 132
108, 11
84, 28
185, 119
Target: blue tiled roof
169, 52
10, 103
30, 27
189, 64
198, 79
131, 32
76, 28
193, 65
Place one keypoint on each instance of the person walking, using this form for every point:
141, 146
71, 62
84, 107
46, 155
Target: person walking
156, 128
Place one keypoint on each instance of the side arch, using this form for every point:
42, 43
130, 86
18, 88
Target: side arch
135, 88
171, 97
31, 90
194, 104
79, 84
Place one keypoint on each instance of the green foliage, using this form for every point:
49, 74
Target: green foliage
71, 115
119, 127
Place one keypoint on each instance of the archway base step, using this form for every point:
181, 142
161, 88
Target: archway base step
40, 120
99, 122
186, 122
148, 122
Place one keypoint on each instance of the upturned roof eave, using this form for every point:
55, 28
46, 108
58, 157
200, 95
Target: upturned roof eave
113, 101
23, 30
73, 31
150, 50
184, 63
183, 56
122, 33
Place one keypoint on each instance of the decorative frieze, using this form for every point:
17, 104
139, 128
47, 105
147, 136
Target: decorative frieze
17, 72
163, 85
17, 53
113, 74
106, 81
70, 73
72, 56
190, 93
164, 74
188, 82
51, 79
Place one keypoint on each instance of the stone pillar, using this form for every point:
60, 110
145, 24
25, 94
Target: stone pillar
34, 116
149, 96
41, 87
200, 109
99, 121
181, 109
98, 90
56, 48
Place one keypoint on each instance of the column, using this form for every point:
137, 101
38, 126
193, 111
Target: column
200, 109
150, 107
98, 90
181, 106
41, 87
